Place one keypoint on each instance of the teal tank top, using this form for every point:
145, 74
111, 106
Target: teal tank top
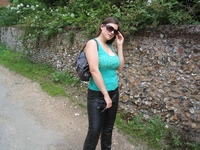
107, 66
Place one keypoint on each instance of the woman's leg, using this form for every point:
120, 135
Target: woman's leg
109, 120
95, 119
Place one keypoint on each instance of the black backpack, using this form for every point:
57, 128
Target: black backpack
81, 65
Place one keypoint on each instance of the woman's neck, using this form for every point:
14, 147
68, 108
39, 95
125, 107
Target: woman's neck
101, 39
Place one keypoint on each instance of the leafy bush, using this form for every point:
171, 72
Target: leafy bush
87, 14
25, 2
19, 14
8, 17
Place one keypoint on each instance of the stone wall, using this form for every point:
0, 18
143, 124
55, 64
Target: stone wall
161, 74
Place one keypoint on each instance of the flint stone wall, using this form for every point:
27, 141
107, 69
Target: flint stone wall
161, 74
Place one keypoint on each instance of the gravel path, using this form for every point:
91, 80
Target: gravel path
55, 119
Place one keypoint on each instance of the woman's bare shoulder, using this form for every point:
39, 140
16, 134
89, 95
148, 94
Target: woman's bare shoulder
91, 42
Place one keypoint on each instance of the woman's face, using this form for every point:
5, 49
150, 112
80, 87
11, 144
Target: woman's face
109, 30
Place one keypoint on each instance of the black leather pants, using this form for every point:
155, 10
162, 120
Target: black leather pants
101, 121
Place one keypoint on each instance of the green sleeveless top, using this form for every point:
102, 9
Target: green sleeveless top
107, 66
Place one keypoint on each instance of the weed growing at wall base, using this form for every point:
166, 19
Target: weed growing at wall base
154, 132
63, 77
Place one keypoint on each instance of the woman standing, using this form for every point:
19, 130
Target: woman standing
103, 94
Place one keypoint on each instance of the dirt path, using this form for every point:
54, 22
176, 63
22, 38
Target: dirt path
57, 116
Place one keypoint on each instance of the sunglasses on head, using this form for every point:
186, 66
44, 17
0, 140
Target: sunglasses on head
110, 29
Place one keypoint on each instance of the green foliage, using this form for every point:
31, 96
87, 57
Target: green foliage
8, 17
176, 139
63, 77
55, 2
86, 15
51, 81
156, 128
25, 2
19, 14
53, 89
154, 131
16, 62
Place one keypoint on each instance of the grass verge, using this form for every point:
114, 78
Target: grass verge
51, 81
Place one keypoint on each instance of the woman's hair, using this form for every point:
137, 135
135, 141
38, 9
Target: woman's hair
106, 21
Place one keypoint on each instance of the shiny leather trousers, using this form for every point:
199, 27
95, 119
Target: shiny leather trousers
101, 121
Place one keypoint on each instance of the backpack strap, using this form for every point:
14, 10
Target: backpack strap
85, 46
97, 44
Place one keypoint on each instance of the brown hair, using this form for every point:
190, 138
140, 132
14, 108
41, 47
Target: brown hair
106, 21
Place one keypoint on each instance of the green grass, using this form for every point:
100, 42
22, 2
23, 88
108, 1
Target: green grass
51, 81
152, 131
53, 90
16, 62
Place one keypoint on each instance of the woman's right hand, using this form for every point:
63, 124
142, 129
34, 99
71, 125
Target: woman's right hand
108, 101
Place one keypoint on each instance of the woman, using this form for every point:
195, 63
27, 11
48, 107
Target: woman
103, 94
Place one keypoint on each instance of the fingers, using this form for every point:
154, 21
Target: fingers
120, 37
119, 32
108, 102
109, 105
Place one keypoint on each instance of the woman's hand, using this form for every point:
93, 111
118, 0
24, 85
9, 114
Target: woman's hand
119, 39
108, 101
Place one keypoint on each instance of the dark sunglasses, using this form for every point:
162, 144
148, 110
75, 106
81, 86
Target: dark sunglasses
110, 29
